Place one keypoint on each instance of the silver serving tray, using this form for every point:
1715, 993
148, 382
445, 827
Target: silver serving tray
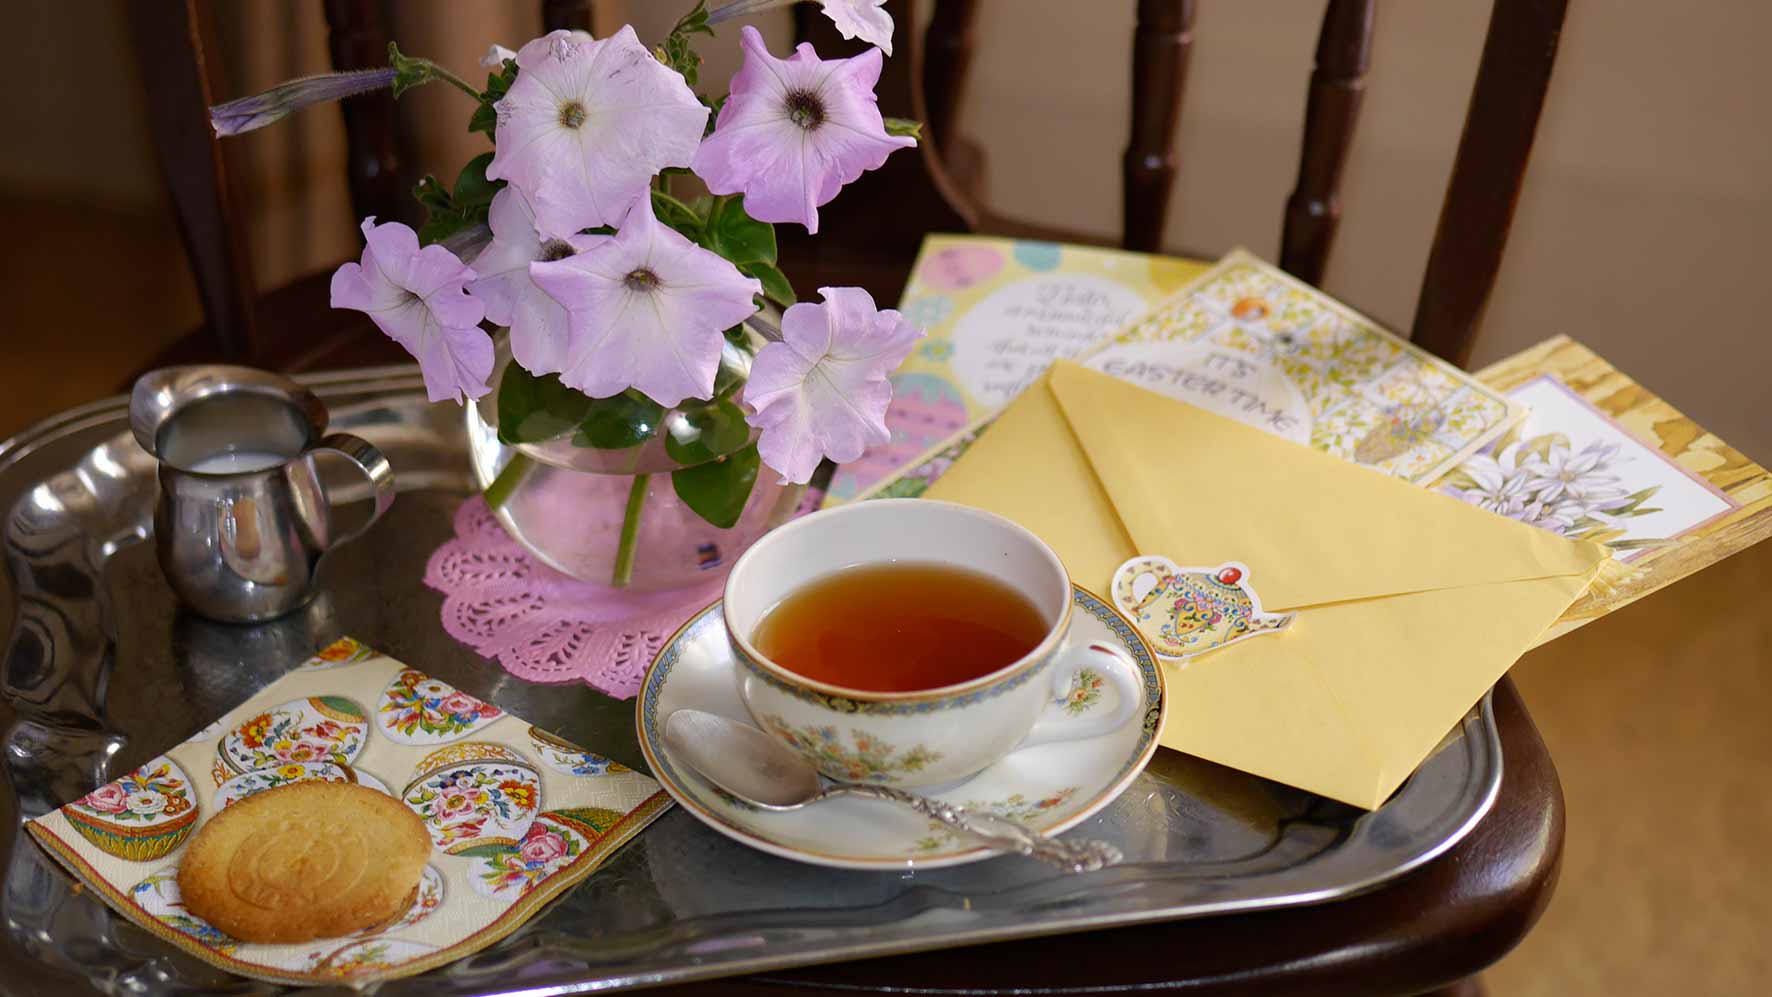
103, 671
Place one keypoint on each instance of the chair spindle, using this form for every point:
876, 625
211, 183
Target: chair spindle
1512, 79
1338, 84
1160, 48
358, 39
572, 15
176, 49
947, 58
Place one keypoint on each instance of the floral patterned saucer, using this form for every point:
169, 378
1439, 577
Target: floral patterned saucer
1049, 787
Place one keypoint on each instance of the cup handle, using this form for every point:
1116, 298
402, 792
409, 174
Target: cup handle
1113, 665
374, 466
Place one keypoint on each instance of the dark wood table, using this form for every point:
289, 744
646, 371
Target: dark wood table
1433, 929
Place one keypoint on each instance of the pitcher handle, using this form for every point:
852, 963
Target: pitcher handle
374, 466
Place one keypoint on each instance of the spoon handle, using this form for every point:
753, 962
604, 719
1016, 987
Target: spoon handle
1073, 856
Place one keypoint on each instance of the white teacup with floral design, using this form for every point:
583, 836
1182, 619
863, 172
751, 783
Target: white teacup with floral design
930, 736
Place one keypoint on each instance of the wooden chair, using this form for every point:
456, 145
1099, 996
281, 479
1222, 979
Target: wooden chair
291, 327
870, 234
1433, 928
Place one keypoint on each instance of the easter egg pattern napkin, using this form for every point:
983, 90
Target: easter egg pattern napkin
517, 816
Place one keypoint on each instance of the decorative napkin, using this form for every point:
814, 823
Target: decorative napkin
517, 816
1406, 604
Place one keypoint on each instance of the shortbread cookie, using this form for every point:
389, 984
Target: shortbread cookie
303, 861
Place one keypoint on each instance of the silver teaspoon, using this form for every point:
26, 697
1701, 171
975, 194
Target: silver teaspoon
761, 771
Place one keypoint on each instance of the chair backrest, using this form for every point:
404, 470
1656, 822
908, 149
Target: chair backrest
1513, 76
936, 190
179, 57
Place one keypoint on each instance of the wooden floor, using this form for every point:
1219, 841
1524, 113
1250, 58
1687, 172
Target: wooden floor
1659, 717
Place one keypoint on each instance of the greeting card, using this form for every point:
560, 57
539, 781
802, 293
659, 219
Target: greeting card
997, 313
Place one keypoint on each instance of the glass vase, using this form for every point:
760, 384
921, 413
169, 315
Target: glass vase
614, 516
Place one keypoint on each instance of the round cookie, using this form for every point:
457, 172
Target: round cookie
303, 861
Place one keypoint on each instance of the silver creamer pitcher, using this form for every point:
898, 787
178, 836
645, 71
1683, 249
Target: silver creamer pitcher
243, 520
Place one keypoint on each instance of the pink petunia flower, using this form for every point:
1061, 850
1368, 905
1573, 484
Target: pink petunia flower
419, 298
587, 124
794, 131
539, 329
854, 18
861, 19
647, 309
823, 390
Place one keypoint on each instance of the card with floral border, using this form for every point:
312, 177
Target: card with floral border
1248, 341
517, 815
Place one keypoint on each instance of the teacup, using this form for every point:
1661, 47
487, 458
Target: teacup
930, 736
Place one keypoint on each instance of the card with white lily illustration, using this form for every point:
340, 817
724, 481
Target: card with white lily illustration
516, 814
1601, 458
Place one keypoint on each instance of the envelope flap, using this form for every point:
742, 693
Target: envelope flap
1202, 489
1029, 467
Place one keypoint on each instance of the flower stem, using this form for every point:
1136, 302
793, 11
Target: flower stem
449, 77
630, 532
507, 480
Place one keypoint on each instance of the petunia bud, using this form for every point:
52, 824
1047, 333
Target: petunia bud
261, 109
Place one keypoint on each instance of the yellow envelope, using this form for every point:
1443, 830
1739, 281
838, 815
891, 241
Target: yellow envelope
1409, 604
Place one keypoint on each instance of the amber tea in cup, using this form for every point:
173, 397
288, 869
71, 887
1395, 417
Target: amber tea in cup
915, 642
900, 627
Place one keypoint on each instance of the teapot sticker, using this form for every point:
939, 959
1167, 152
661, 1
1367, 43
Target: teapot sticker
1185, 612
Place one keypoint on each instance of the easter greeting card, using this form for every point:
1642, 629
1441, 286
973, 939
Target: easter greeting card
997, 313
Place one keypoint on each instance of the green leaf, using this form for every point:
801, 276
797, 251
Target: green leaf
677, 215
775, 283
472, 190
619, 421
719, 489
484, 119
678, 51
433, 195
736, 235
706, 431
446, 213
440, 227
532, 409
905, 126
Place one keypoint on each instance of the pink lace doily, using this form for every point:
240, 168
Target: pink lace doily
542, 625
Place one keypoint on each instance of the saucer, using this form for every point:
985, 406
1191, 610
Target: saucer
1049, 787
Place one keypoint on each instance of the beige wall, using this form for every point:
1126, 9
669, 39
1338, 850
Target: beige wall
1641, 229
1638, 232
